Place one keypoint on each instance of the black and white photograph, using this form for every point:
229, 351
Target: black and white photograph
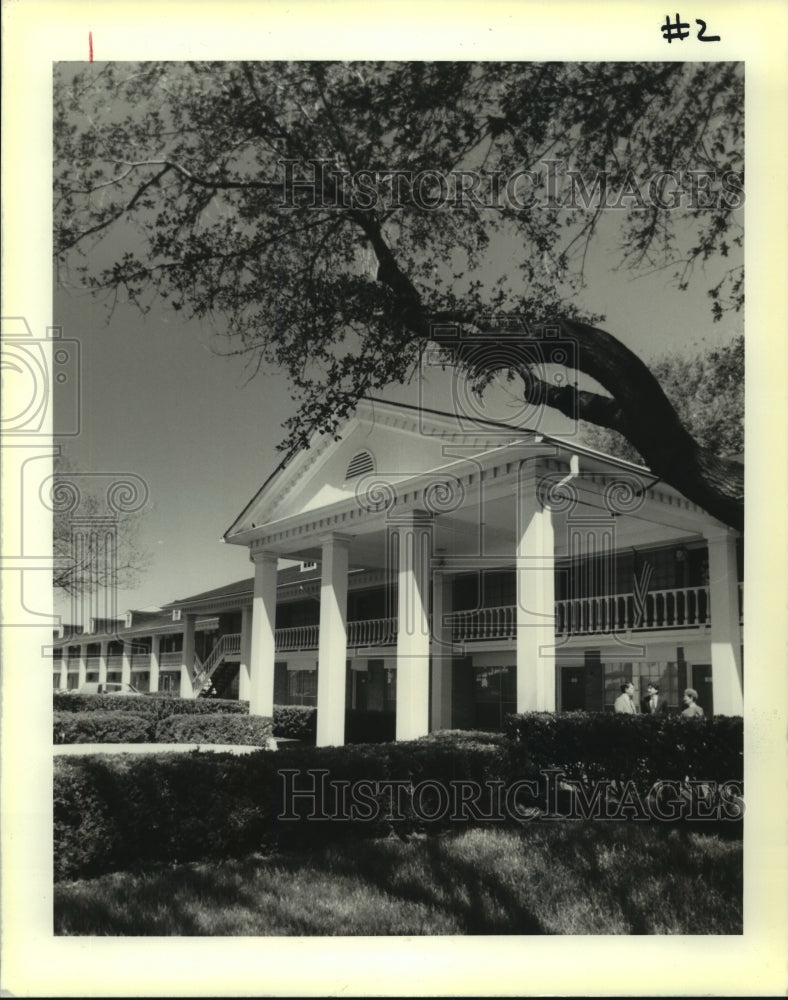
376, 492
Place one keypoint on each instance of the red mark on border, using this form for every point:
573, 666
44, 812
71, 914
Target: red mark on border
90, 46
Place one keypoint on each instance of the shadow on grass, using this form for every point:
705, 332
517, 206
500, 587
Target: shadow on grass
545, 878
428, 872
163, 901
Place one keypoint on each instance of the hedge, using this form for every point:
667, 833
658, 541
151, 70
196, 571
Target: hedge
120, 812
295, 722
249, 730
158, 705
595, 746
102, 727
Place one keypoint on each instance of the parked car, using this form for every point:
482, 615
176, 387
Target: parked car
93, 687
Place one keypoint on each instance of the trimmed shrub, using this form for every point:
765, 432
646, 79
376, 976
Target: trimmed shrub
295, 722
201, 706
480, 737
595, 746
221, 728
102, 727
158, 705
119, 812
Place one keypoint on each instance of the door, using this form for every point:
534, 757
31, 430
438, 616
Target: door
573, 689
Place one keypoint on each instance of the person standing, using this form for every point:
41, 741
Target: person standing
693, 709
625, 703
653, 703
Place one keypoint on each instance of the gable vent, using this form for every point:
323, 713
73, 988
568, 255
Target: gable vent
361, 463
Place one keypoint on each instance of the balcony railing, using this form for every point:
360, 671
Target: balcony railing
300, 637
170, 660
372, 632
368, 632
484, 623
686, 607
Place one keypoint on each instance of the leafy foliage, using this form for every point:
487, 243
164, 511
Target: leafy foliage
245, 730
102, 727
118, 812
594, 746
295, 722
183, 164
160, 707
707, 391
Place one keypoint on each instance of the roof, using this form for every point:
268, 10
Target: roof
375, 413
290, 574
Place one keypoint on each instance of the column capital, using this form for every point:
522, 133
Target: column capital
336, 538
258, 556
720, 533
414, 517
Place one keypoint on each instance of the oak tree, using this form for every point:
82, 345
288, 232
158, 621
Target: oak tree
333, 218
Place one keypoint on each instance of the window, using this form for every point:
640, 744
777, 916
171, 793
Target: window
361, 463
302, 687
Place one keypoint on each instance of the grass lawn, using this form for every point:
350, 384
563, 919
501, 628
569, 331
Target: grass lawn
557, 877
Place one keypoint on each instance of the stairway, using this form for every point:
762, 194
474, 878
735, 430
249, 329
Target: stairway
227, 646
222, 681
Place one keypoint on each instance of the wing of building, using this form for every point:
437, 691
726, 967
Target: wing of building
444, 573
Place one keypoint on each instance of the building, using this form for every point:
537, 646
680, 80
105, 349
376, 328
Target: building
444, 573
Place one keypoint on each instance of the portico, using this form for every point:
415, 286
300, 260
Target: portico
433, 503
420, 575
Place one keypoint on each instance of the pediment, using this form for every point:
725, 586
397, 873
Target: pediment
382, 442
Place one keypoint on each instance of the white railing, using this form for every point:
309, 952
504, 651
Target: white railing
140, 661
115, 662
483, 623
169, 660
367, 632
300, 637
682, 607
372, 632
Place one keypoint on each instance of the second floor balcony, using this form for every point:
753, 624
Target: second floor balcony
685, 608
659, 610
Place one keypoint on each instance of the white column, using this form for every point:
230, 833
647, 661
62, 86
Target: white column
332, 647
125, 664
263, 651
83, 666
102, 671
535, 573
187, 657
244, 667
414, 551
63, 682
155, 648
726, 665
442, 661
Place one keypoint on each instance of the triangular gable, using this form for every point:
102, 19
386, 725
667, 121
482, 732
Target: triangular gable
400, 441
